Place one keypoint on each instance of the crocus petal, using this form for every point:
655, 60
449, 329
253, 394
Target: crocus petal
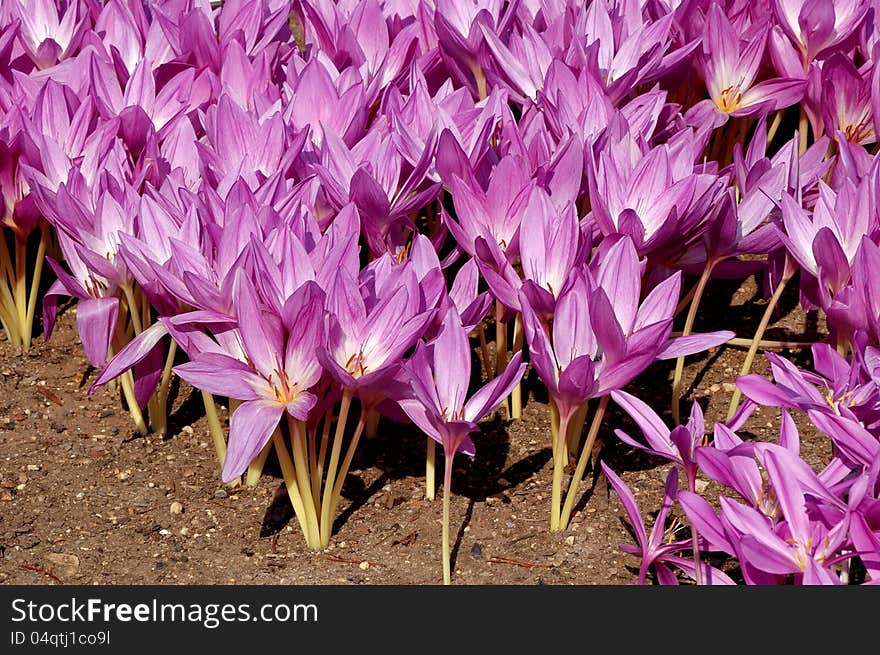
96, 322
251, 427
629, 504
134, 351
221, 376
488, 398
694, 343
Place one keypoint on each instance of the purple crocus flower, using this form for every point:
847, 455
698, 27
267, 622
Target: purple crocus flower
439, 375
817, 26
657, 551
280, 367
46, 36
730, 67
846, 100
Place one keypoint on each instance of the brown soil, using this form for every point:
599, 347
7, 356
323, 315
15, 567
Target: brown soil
85, 500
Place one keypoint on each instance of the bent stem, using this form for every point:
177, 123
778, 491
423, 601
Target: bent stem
447, 490
756, 340
326, 501
688, 326
587, 451
430, 471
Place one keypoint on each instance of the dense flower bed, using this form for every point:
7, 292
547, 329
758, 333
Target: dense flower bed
323, 211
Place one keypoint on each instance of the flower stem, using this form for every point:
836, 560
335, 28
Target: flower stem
582, 463
484, 352
695, 538
500, 345
330, 483
159, 422
346, 462
28, 328
318, 475
774, 125
688, 326
430, 471
289, 474
516, 394
768, 344
214, 427
127, 382
301, 464
134, 308
559, 461
447, 491
756, 340
21, 284
803, 131
255, 468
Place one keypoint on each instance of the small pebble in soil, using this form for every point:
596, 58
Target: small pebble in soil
363, 566
57, 427
176, 507
220, 493
477, 551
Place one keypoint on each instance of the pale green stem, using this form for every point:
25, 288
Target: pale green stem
346, 462
774, 126
516, 394
127, 382
447, 492
287, 471
159, 421
688, 326
301, 463
214, 427
35, 286
695, 541
766, 344
753, 350
322, 455
586, 453
559, 457
21, 284
134, 308
326, 502
500, 345
430, 470
575, 428
255, 468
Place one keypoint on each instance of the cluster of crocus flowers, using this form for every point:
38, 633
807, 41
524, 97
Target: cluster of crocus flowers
317, 213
